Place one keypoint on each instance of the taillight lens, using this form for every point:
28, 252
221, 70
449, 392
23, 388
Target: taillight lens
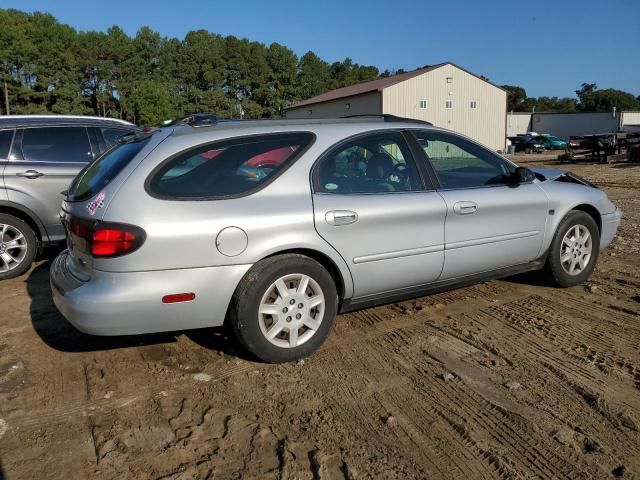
114, 240
103, 239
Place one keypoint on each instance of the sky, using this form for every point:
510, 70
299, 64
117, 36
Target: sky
547, 47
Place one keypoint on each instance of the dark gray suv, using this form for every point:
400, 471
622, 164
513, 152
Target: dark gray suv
39, 156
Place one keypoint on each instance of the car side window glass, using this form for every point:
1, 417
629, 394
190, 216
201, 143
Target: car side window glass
6, 136
56, 144
228, 168
112, 135
378, 163
460, 163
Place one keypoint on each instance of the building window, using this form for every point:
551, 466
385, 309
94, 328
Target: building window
448, 104
473, 104
347, 106
423, 104
310, 112
449, 79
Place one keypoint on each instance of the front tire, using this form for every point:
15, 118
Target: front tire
284, 308
18, 245
574, 250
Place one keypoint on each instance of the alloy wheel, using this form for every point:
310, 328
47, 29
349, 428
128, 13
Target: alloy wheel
291, 310
576, 250
13, 247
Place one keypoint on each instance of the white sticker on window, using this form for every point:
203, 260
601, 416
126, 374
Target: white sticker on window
331, 186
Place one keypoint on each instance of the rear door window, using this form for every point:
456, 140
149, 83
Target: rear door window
56, 144
100, 173
6, 136
228, 168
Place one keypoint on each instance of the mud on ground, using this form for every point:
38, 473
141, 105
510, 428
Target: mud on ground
508, 379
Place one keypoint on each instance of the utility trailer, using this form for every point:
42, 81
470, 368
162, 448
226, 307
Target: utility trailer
603, 148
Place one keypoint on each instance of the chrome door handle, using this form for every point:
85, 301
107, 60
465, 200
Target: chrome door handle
341, 217
30, 174
465, 208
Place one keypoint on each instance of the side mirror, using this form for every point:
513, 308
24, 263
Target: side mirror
523, 175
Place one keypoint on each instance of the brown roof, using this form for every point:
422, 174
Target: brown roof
373, 86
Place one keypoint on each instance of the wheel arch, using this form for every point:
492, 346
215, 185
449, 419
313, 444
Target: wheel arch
324, 260
591, 211
26, 216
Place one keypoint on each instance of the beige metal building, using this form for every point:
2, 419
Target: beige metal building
446, 95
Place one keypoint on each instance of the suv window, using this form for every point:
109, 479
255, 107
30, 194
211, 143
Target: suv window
6, 136
111, 135
228, 168
460, 163
376, 163
100, 173
56, 144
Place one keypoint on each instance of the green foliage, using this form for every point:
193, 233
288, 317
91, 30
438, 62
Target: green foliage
147, 78
515, 96
150, 101
594, 100
590, 99
548, 104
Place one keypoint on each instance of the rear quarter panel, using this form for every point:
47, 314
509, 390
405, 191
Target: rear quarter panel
182, 234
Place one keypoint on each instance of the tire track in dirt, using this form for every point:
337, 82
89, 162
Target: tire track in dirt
415, 408
580, 389
474, 398
566, 325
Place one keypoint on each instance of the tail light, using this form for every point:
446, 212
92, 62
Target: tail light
115, 240
106, 239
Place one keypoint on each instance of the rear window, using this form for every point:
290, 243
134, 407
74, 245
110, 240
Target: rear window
5, 142
100, 173
229, 168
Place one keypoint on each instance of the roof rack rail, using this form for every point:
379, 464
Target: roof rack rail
389, 118
198, 120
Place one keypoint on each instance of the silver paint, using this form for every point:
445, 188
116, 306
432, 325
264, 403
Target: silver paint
376, 243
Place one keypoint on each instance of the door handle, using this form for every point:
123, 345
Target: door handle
465, 208
30, 174
341, 217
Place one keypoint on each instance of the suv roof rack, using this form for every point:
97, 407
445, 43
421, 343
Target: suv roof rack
197, 120
60, 119
389, 118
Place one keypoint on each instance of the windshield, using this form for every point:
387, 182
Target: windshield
104, 169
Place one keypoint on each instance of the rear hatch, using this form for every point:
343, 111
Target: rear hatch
87, 200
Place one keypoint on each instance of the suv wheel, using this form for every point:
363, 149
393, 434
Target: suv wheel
17, 246
574, 250
284, 308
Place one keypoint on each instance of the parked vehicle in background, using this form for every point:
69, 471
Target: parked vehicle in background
551, 142
39, 156
163, 236
526, 144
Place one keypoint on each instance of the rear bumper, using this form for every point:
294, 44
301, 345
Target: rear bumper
131, 303
610, 224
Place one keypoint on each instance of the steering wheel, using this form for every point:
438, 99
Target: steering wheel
399, 175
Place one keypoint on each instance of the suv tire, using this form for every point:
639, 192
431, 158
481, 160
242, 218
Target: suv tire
17, 234
574, 250
284, 308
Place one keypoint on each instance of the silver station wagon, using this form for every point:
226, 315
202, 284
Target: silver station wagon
277, 226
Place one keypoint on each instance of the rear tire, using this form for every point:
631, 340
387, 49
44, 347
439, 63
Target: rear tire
574, 250
18, 246
284, 308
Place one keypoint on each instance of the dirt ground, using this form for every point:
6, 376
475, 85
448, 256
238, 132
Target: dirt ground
508, 379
